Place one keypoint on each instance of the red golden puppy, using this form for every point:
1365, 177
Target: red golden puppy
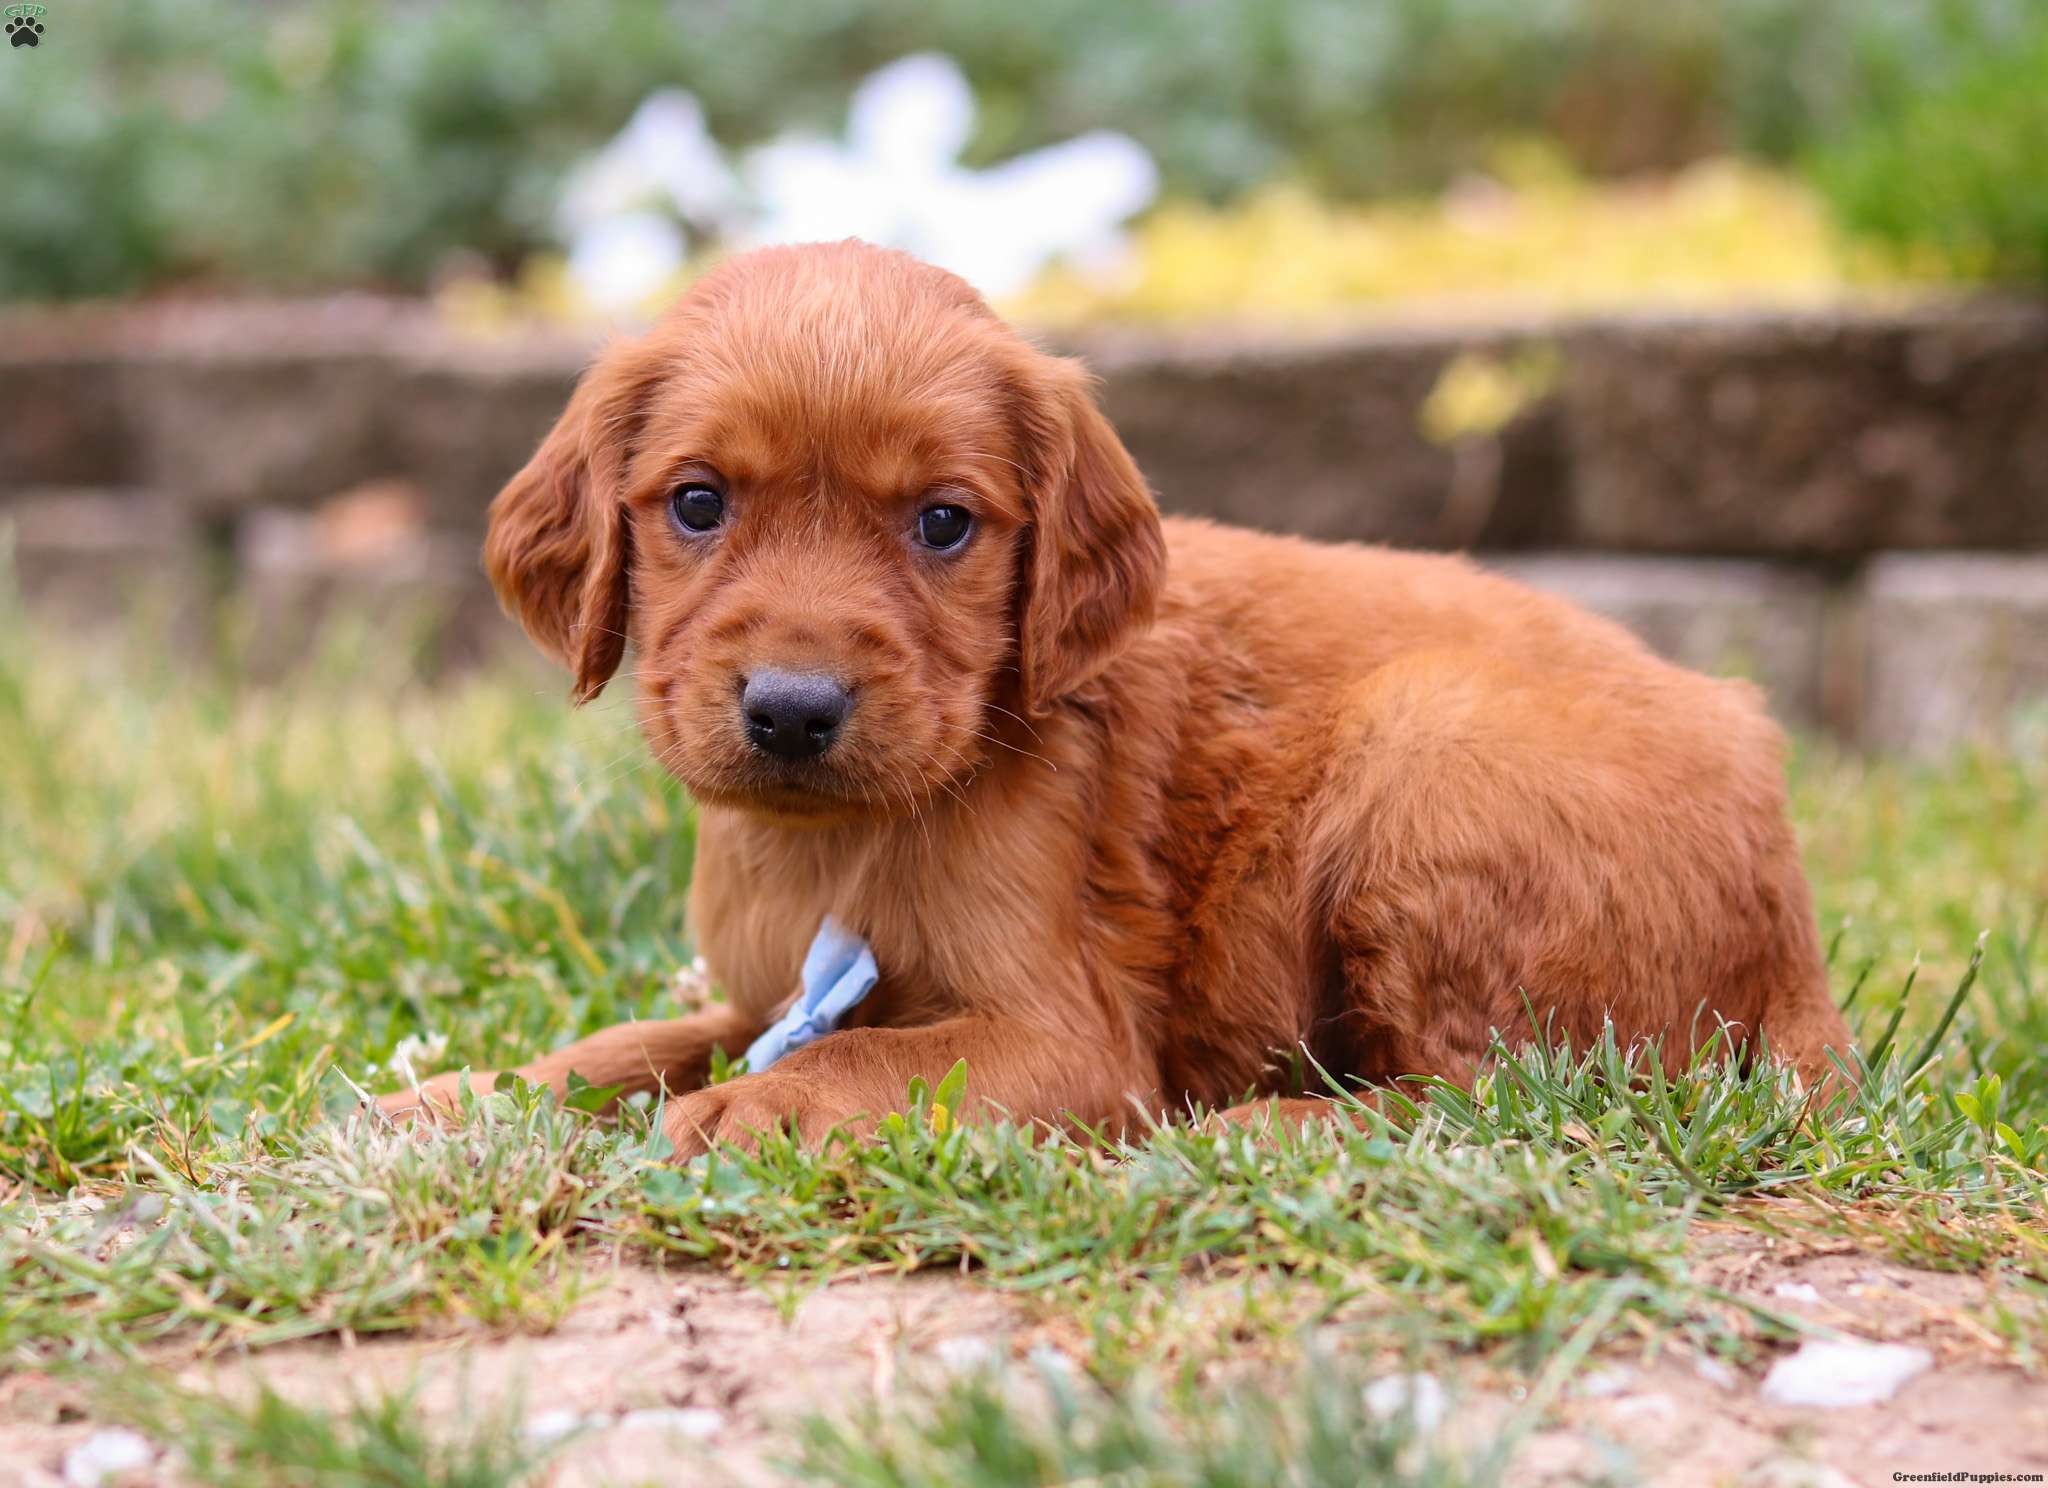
1126, 808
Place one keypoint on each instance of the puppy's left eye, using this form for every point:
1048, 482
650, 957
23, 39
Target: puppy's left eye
944, 527
697, 509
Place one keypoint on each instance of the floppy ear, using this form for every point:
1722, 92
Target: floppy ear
1094, 553
558, 544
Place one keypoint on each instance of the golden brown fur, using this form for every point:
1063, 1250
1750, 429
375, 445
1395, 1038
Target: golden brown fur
1126, 808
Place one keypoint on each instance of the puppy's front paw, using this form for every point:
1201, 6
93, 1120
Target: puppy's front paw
738, 1112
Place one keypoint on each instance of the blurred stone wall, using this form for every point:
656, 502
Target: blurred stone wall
1850, 507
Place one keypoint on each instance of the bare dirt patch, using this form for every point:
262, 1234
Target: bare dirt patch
1682, 1422
654, 1366
665, 1368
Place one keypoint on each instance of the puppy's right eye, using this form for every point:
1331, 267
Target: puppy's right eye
697, 509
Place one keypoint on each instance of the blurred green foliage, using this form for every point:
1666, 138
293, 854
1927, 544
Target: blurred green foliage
1957, 174
315, 142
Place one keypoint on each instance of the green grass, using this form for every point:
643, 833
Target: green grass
983, 1432
375, 1441
220, 905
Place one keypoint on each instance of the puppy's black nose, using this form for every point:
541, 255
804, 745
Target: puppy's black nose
793, 715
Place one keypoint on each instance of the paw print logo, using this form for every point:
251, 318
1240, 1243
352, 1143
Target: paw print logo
25, 25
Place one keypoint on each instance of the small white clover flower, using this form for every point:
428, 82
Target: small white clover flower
420, 1049
691, 985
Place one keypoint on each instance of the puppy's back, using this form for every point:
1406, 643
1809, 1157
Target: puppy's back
1332, 612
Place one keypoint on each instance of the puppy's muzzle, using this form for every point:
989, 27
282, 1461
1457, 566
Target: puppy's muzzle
793, 716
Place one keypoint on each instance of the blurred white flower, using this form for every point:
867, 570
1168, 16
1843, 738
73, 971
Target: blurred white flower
897, 181
625, 210
619, 263
629, 212
1068, 201
665, 156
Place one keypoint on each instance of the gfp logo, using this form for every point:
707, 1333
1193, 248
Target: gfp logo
25, 24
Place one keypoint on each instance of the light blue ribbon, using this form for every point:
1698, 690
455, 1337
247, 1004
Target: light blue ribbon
839, 970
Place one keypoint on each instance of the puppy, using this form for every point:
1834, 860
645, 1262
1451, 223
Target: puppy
1128, 810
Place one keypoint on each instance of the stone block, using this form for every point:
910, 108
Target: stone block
99, 558
65, 423
225, 430
465, 421
1838, 433
367, 557
1955, 651
1330, 439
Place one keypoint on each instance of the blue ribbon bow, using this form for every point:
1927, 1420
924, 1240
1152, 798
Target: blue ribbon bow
839, 970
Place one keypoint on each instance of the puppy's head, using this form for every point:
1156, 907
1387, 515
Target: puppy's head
844, 516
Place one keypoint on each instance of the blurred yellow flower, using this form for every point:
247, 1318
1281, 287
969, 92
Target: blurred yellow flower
1534, 238
1529, 238
1480, 394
